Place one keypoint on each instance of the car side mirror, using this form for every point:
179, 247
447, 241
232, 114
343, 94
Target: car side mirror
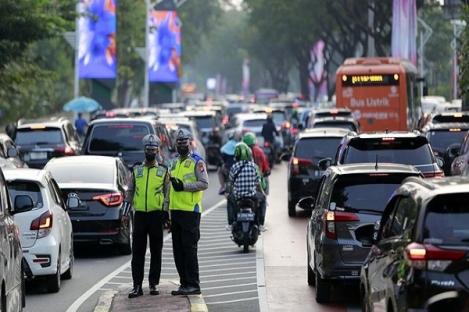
376, 232
12, 152
307, 203
23, 203
73, 201
440, 162
453, 150
325, 163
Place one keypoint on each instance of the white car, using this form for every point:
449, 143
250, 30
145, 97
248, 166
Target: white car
45, 227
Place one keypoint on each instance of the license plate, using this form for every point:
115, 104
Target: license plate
246, 216
37, 155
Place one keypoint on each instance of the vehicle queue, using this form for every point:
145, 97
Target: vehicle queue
373, 197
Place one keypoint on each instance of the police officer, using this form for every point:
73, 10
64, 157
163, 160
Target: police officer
188, 181
150, 203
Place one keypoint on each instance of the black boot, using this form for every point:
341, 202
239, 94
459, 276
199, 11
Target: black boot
190, 290
178, 292
136, 292
154, 290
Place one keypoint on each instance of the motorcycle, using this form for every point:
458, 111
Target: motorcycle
213, 155
245, 230
269, 151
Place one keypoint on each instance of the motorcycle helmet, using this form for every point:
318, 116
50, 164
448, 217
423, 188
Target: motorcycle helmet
250, 138
242, 152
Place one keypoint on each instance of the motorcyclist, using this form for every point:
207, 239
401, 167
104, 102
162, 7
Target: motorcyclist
262, 163
269, 132
213, 149
227, 154
244, 179
215, 137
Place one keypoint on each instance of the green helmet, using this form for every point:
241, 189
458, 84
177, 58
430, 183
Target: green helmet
242, 152
249, 138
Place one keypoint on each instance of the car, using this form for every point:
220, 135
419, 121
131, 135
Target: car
38, 142
418, 261
329, 112
305, 170
246, 122
282, 123
9, 152
450, 117
101, 183
460, 154
350, 200
444, 138
335, 122
205, 121
45, 227
122, 137
174, 123
399, 147
12, 293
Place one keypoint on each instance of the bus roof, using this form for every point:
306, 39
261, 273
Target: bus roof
369, 65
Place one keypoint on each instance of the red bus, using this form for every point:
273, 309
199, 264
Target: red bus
381, 92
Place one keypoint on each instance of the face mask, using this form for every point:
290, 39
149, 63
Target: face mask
183, 150
150, 157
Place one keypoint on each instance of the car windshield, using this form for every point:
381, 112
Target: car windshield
28, 188
365, 192
278, 117
118, 137
233, 110
82, 172
440, 140
446, 220
407, 152
317, 148
332, 124
204, 122
46, 136
254, 123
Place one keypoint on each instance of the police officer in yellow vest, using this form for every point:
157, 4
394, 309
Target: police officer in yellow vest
188, 181
150, 203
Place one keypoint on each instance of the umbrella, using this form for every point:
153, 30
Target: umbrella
82, 104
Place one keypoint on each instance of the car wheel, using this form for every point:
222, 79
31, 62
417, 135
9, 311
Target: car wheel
311, 277
69, 273
3, 299
23, 291
291, 209
323, 289
126, 248
53, 281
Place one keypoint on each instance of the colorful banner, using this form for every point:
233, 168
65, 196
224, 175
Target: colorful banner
164, 44
404, 30
97, 39
317, 73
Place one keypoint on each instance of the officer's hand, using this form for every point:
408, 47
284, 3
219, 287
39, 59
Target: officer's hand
178, 185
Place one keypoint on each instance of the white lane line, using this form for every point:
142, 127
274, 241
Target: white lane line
228, 280
229, 286
225, 264
233, 256
80, 300
230, 246
115, 283
232, 301
228, 274
227, 269
231, 293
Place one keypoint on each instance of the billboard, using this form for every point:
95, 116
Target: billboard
164, 44
97, 39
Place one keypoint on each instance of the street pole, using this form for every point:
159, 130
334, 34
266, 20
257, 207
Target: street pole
146, 88
458, 27
371, 29
76, 81
425, 33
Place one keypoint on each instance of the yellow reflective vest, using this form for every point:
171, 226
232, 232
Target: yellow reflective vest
185, 171
149, 188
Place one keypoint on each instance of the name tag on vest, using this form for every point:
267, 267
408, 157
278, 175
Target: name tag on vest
159, 172
187, 163
140, 171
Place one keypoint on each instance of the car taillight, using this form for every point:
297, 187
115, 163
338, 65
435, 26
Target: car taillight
225, 120
286, 125
42, 224
433, 258
66, 150
296, 163
331, 217
111, 199
434, 174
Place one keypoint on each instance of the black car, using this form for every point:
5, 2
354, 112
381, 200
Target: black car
304, 170
350, 200
122, 137
408, 148
419, 260
444, 138
38, 142
101, 183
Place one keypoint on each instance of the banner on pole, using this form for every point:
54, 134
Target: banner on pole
404, 30
164, 46
97, 39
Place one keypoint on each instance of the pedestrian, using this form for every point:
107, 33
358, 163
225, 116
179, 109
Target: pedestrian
149, 198
188, 181
81, 125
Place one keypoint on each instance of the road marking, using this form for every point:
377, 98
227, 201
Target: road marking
80, 300
233, 301
226, 274
231, 293
227, 269
227, 280
225, 264
229, 286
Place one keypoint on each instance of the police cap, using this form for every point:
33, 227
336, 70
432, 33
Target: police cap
183, 134
150, 140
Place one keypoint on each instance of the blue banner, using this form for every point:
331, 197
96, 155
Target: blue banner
97, 39
164, 44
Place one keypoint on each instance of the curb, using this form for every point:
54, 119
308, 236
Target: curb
261, 289
197, 303
105, 301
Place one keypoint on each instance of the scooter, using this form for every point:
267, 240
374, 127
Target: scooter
245, 231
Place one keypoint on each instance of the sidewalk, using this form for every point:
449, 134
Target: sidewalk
117, 301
